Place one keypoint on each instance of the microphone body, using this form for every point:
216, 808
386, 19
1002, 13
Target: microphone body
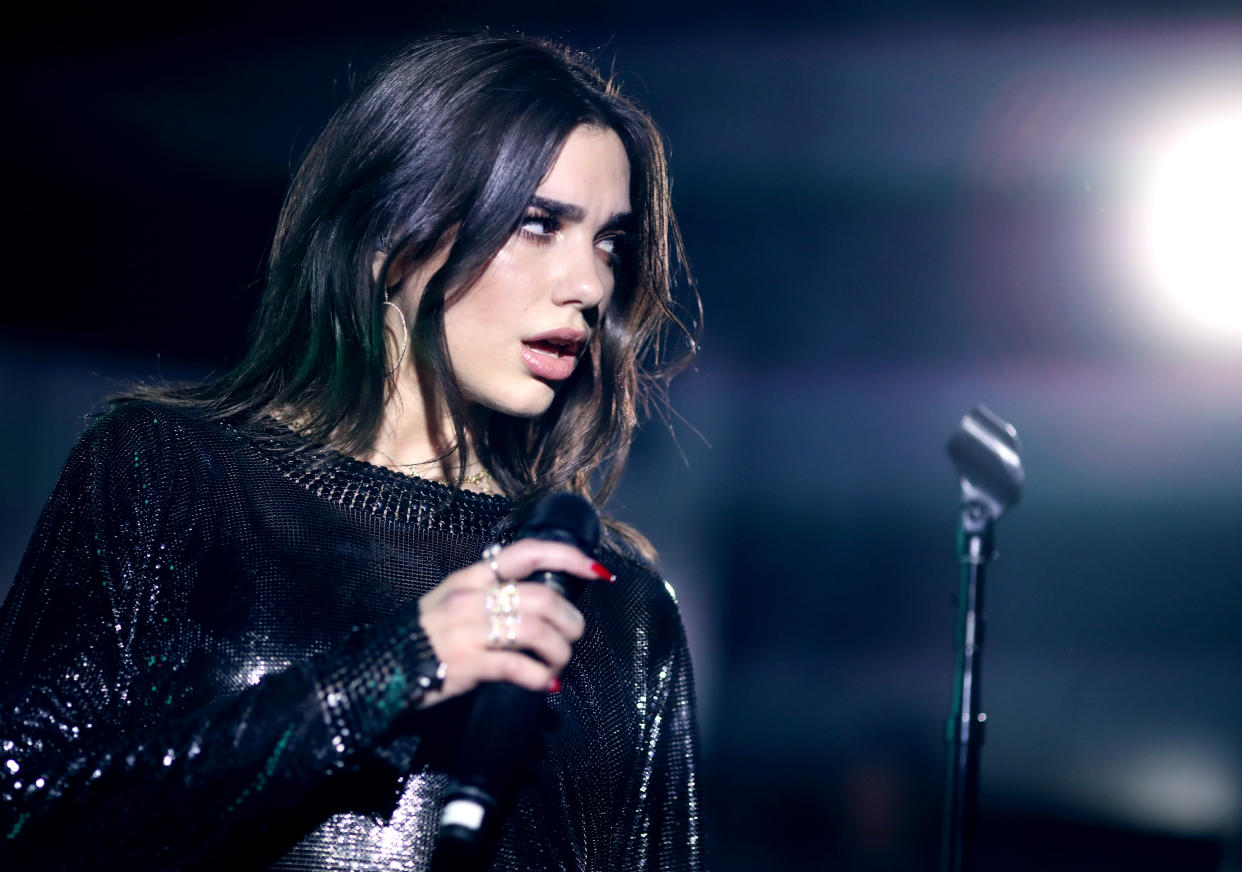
503, 716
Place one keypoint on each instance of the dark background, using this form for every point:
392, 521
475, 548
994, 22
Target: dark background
895, 211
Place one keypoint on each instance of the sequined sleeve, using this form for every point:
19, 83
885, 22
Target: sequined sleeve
673, 735
86, 775
663, 823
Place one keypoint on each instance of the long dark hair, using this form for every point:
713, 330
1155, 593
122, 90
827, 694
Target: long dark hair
449, 138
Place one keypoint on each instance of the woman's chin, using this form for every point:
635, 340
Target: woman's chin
531, 401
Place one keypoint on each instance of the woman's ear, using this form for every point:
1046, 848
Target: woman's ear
396, 268
377, 264
404, 272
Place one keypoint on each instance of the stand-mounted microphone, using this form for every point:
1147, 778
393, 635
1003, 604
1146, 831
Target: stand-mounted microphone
503, 715
987, 457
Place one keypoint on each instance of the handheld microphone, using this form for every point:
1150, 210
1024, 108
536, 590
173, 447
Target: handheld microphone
503, 714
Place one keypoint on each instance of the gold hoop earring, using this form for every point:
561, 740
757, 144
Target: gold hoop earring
405, 333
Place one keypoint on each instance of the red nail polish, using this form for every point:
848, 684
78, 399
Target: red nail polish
554, 686
602, 571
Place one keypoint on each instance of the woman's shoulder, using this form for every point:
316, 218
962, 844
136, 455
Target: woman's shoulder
637, 616
145, 420
137, 434
642, 584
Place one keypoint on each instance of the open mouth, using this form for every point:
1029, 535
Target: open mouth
556, 348
553, 356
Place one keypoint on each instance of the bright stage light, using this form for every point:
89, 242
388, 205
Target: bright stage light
1190, 231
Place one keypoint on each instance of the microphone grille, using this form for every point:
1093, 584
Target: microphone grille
563, 517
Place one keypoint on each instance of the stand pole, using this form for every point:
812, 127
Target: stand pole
965, 725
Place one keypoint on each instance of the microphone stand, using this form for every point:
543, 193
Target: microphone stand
965, 725
985, 452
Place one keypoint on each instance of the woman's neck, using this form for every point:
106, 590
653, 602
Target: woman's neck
416, 436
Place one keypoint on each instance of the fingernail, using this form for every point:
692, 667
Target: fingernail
602, 571
554, 686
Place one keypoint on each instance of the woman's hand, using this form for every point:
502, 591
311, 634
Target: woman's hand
458, 623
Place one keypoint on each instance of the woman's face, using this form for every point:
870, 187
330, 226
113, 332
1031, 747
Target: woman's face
519, 332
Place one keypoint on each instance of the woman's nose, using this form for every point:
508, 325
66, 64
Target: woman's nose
587, 277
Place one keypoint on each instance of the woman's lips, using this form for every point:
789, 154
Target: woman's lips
551, 358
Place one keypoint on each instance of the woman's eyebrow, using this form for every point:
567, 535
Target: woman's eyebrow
572, 212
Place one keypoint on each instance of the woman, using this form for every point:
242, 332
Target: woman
249, 621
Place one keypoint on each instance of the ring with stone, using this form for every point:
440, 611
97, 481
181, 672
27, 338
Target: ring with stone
503, 604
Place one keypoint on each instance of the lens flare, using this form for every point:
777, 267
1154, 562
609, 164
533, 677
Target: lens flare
1191, 221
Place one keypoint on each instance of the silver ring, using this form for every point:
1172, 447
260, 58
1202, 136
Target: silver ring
490, 553
503, 604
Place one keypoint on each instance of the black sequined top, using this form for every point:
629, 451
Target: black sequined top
211, 659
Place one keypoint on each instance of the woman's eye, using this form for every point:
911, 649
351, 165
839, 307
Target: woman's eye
611, 247
538, 227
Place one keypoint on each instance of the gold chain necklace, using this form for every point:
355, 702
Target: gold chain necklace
479, 478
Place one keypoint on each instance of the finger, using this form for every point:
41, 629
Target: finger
540, 602
446, 605
462, 620
517, 669
545, 624
538, 639
476, 576
526, 629
526, 556
504, 666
